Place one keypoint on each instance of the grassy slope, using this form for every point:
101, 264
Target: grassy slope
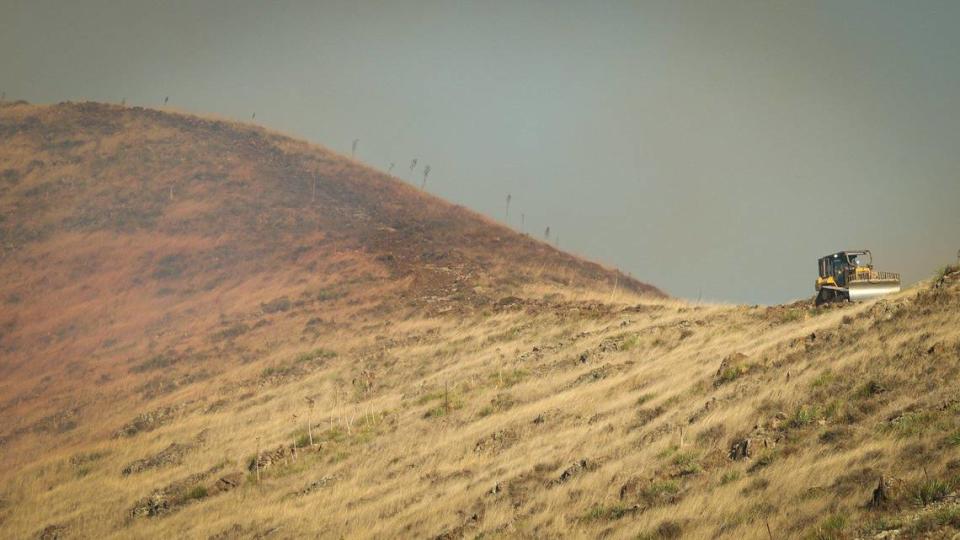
572, 410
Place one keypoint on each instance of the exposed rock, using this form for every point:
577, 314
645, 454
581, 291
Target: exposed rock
227, 482
880, 496
171, 497
497, 441
573, 470
171, 455
741, 449
315, 485
149, 421
269, 458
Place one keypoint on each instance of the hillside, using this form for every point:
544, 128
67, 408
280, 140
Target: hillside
132, 232
212, 331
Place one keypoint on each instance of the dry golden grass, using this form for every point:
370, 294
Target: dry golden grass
574, 409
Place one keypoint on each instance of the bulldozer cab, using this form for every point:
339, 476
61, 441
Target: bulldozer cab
839, 265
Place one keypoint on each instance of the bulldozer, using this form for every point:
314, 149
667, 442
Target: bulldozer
848, 276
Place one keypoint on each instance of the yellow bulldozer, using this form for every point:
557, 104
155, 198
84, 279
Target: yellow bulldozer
848, 276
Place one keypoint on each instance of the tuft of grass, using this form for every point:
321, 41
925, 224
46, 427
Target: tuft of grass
630, 342
508, 378
687, 463
824, 379
869, 389
929, 491
911, 424
600, 512
660, 490
791, 315
729, 476
954, 439
666, 530
314, 355
196, 493
763, 460
831, 528
804, 415
933, 521
277, 304
730, 374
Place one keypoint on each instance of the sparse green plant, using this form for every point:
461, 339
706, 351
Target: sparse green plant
667, 452
804, 415
932, 521
195, 493
911, 424
824, 379
729, 476
869, 389
929, 491
508, 378
831, 528
729, 374
687, 463
660, 490
765, 459
954, 439
609, 513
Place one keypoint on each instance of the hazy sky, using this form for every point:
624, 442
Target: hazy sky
710, 147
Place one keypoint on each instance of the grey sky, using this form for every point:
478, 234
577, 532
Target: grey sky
714, 147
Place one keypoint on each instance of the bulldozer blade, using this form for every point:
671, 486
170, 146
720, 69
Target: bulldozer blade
865, 290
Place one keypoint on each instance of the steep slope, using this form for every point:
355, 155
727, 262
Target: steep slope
130, 232
326, 381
